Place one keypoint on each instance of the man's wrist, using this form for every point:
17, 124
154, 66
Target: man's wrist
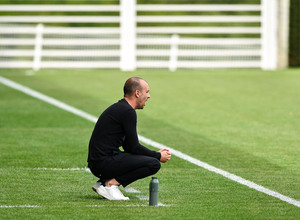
158, 155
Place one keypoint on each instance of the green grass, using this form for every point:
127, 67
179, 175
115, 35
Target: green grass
243, 121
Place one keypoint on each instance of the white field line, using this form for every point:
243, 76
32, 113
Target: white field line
150, 142
99, 206
55, 169
226, 174
131, 190
159, 204
62, 169
47, 99
146, 198
19, 206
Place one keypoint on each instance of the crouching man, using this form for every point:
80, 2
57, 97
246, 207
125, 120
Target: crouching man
116, 127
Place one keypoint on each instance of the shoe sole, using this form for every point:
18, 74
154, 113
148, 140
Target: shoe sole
99, 192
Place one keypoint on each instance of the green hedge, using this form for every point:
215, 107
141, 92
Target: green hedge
294, 42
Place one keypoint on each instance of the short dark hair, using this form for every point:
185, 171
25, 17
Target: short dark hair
131, 85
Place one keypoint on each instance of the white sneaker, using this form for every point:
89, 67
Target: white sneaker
115, 193
110, 193
99, 189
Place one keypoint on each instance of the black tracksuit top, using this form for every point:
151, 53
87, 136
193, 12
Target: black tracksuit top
116, 127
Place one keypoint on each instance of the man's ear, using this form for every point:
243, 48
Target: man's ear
137, 93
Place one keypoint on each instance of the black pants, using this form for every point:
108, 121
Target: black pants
125, 167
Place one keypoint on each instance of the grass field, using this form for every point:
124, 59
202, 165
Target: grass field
245, 122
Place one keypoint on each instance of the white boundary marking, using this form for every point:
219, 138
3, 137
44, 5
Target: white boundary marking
62, 169
131, 190
150, 142
159, 205
19, 206
55, 169
98, 206
140, 197
47, 99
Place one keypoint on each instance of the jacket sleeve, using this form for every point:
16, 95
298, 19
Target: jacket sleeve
131, 143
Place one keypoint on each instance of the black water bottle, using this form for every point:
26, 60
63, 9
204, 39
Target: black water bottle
153, 190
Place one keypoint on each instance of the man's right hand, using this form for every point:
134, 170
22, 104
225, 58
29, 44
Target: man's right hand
165, 155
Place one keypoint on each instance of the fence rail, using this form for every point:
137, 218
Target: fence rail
198, 30
148, 7
139, 41
67, 8
60, 19
200, 7
143, 19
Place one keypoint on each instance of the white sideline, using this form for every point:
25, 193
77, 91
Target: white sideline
62, 169
159, 204
19, 206
131, 190
150, 142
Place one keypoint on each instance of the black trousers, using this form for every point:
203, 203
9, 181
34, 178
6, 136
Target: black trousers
124, 167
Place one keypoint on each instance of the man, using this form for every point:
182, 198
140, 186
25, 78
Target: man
116, 127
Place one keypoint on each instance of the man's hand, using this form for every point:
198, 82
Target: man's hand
165, 155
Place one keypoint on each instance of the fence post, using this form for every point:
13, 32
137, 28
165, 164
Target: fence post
128, 34
269, 36
283, 33
173, 52
38, 47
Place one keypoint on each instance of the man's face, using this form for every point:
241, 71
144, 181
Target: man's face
144, 95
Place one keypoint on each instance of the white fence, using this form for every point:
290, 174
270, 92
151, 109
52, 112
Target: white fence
134, 42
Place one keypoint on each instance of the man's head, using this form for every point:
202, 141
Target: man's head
136, 90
